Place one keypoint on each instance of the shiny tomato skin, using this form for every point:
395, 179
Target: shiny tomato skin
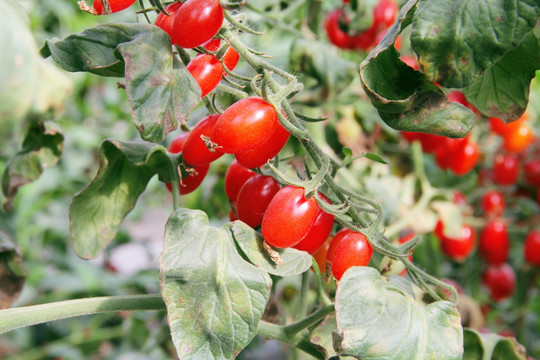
245, 125
318, 233
365, 40
195, 151
261, 154
459, 248
116, 5
500, 128
289, 217
465, 159
384, 14
207, 71
353, 250
321, 254
335, 241
531, 172
493, 203
531, 249
505, 169
230, 58
336, 36
196, 22
165, 22
254, 197
500, 280
518, 140
177, 144
494, 243
235, 178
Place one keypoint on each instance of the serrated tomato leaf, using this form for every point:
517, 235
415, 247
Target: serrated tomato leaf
160, 90
214, 298
491, 347
502, 91
457, 40
405, 98
250, 242
379, 320
124, 171
12, 272
41, 148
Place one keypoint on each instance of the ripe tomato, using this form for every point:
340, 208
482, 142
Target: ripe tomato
531, 172
493, 244
230, 58
335, 35
245, 125
500, 128
384, 14
459, 97
500, 280
318, 233
320, 255
366, 40
531, 249
235, 177
493, 203
289, 217
459, 248
519, 139
207, 71
192, 181
254, 197
196, 22
116, 5
411, 61
261, 154
195, 151
165, 22
335, 241
354, 249
465, 159
505, 169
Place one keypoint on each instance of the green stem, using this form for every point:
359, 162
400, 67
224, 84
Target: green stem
175, 182
15, 318
313, 318
303, 298
277, 332
323, 296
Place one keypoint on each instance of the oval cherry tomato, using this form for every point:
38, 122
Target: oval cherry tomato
196, 22
366, 39
318, 233
116, 5
195, 152
500, 128
235, 177
384, 14
353, 250
531, 249
289, 217
500, 280
335, 241
254, 197
335, 35
519, 139
531, 172
230, 58
505, 169
465, 159
493, 244
245, 125
459, 248
207, 71
493, 203
165, 22
320, 255
261, 154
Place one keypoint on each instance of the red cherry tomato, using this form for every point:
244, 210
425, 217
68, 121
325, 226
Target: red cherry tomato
335, 241
366, 40
505, 169
207, 71
459, 248
320, 255
261, 154
335, 35
500, 128
254, 197
465, 159
196, 22
245, 125
518, 140
493, 203
500, 280
448, 149
384, 14
230, 58
165, 22
459, 97
531, 172
411, 61
531, 249
318, 233
195, 151
192, 181
235, 177
289, 217
459, 198
493, 244
116, 5
353, 250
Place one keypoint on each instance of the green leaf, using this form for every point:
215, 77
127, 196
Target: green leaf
124, 171
404, 98
160, 90
12, 272
502, 91
457, 40
41, 148
379, 320
250, 242
30, 85
491, 347
214, 298
375, 157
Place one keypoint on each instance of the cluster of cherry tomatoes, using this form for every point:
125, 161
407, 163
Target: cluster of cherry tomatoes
337, 26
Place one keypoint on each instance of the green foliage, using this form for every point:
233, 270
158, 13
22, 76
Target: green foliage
491, 347
12, 272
